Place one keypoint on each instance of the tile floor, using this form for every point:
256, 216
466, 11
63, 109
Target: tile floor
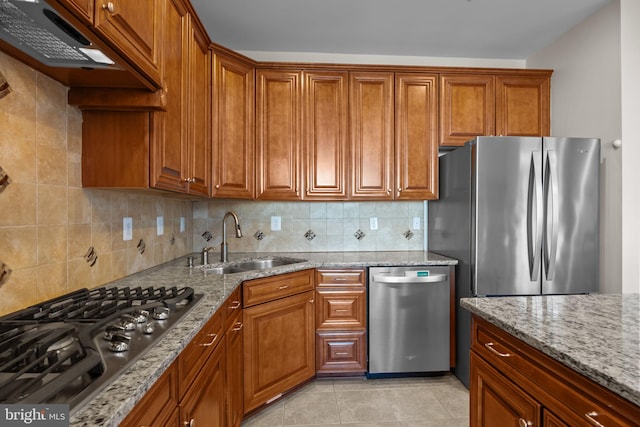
440, 401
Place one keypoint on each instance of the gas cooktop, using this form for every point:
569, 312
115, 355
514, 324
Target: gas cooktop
67, 349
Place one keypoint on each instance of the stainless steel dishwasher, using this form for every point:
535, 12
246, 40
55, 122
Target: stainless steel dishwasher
408, 320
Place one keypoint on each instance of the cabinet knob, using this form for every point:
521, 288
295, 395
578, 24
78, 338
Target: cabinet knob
190, 423
217, 186
399, 190
388, 191
524, 423
109, 6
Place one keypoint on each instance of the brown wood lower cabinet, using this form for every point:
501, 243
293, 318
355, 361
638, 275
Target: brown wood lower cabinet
204, 402
513, 384
341, 333
279, 348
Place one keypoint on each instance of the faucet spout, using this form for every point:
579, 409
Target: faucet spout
224, 255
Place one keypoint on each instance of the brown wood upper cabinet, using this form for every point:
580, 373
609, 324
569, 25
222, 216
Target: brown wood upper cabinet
416, 150
233, 126
372, 135
279, 131
493, 104
326, 134
131, 28
170, 149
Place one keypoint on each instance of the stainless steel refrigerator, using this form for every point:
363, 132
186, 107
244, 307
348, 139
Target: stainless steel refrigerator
521, 216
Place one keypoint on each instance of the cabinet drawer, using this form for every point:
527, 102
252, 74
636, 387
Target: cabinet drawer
196, 352
232, 307
337, 309
341, 352
258, 291
569, 395
341, 278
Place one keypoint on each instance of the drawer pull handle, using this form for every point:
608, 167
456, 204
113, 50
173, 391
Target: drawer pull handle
490, 345
341, 310
213, 339
524, 423
591, 418
236, 304
283, 287
237, 328
343, 353
340, 279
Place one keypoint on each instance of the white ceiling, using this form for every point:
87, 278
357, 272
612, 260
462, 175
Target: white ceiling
502, 29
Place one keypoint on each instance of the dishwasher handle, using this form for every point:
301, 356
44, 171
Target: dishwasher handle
384, 278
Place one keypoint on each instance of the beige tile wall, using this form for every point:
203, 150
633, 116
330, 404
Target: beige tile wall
47, 221
334, 225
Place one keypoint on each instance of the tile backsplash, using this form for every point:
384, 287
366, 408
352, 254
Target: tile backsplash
48, 222
310, 226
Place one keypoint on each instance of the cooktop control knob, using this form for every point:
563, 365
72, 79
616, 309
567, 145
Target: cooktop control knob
112, 329
141, 316
149, 328
161, 313
128, 322
119, 343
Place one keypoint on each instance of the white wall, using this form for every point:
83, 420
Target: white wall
630, 60
586, 101
335, 58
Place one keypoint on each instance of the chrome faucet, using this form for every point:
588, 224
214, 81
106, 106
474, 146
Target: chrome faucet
224, 246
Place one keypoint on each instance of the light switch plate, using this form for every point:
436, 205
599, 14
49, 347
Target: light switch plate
127, 228
160, 225
276, 223
183, 226
416, 223
373, 223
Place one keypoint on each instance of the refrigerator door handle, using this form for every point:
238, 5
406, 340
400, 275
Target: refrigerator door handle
552, 221
534, 217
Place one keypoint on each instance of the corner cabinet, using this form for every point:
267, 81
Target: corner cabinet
416, 150
279, 331
233, 126
513, 384
167, 148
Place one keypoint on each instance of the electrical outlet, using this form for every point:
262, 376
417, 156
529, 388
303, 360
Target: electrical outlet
127, 228
416, 223
276, 223
183, 226
373, 223
160, 225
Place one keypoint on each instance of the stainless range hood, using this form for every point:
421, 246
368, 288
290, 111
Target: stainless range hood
35, 28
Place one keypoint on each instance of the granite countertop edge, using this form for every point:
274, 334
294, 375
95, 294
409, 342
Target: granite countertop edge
572, 330
111, 405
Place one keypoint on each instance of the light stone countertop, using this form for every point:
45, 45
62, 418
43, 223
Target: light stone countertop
595, 335
109, 407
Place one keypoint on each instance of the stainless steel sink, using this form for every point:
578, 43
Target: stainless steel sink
229, 269
251, 265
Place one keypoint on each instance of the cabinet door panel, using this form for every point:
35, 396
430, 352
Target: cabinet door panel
326, 135
234, 387
467, 108
204, 402
169, 155
279, 349
522, 106
416, 136
134, 28
278, 100
495, 401
199, 106
233, 152
372, 127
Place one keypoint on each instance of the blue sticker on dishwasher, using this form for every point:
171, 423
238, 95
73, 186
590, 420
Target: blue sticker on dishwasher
423, 273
